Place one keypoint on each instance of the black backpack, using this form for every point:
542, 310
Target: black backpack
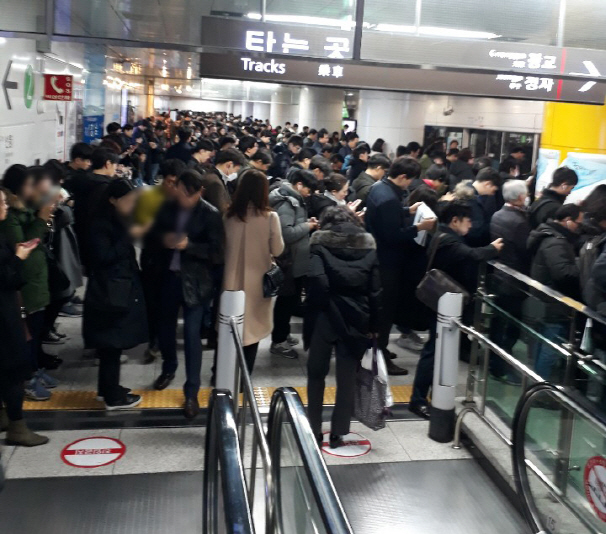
590, 252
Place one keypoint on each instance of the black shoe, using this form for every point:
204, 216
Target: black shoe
320, 440
388, 355
422, 410
163, 381
335, 441
394, 370
49, 362
127, 402
58, 334
52, 339
191, 408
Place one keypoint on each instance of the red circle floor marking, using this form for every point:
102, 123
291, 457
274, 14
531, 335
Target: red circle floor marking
90, 453
595, 485
356, 445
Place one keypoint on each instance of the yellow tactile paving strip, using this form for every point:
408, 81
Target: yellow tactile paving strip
173, 398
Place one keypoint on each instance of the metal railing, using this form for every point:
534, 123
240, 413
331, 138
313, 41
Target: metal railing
287, 408
223, 456
259, 445
521, 463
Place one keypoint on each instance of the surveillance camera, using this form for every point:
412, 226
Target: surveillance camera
448, 111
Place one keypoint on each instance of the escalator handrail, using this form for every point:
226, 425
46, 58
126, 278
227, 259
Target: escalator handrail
222, 444
286, 406
522, 482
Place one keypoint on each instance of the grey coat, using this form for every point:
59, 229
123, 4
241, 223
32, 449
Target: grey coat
291, 210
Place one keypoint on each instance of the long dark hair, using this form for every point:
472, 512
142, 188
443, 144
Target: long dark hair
253, 189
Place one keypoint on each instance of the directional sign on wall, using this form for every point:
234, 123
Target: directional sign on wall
363, 75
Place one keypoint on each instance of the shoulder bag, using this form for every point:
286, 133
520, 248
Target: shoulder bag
436, 283
274, 278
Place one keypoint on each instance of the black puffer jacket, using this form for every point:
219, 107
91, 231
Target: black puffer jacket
282, 161
545, 207
114, 306
554, 261
203, 258
12, 339
344, 283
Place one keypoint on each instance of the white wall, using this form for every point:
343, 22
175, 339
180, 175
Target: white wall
46, 129
401, 117
196, 104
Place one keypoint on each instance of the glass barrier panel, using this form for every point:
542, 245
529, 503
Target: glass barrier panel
300, 513
569, 451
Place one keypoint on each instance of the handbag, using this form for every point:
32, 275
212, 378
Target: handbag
436, 283
372, 395
274, 278
272, 281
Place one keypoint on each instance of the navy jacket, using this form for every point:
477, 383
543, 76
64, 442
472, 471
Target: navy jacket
390, 223
179, 151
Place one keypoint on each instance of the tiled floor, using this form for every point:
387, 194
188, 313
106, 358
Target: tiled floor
182, 449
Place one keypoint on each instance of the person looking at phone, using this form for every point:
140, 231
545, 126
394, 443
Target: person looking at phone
391, 224
114, 305
24, 223
461, 262
15, 366
188, 235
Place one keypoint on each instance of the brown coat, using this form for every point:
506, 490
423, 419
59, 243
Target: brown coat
215, 191
249, 249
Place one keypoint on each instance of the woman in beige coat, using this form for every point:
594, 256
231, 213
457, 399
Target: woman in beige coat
253, 238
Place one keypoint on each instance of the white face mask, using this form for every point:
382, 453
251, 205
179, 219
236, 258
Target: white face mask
527, 202
232, 176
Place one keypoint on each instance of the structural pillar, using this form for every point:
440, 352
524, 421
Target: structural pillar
321, 107
398, 118
282, 108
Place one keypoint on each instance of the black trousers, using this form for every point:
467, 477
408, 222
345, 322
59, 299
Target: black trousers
11, 395
108, 385
391, 300
52, 312
323, 339
285, 308
250, 354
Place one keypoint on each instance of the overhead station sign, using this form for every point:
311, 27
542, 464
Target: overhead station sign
363, 75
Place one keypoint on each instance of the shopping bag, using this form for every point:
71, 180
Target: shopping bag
372, 391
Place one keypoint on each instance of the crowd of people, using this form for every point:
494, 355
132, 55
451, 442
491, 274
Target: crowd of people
159, 218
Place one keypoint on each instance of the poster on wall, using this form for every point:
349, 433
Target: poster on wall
93, 128
591, 169
547, 163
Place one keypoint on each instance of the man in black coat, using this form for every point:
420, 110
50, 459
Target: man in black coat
511, 224
283, 156
182, 149
189, 237
483, 207
392, 226
461, 263
553, 246
544, 208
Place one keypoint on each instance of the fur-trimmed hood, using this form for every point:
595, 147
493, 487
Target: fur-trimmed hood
343, 238
14, 201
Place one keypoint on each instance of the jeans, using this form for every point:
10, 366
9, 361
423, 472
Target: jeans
35, 325
545, 358
424, 375
154, 168
108, 385
284, 309
193, 316
323, 339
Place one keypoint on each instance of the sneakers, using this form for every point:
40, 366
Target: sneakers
292, 341
71, 310
101, 398
284, 349
34, 390
49, 362
127, 402
61, 335
77, 301
410, 341
52, 338
47, 381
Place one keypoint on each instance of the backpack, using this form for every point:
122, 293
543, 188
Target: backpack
587, 258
